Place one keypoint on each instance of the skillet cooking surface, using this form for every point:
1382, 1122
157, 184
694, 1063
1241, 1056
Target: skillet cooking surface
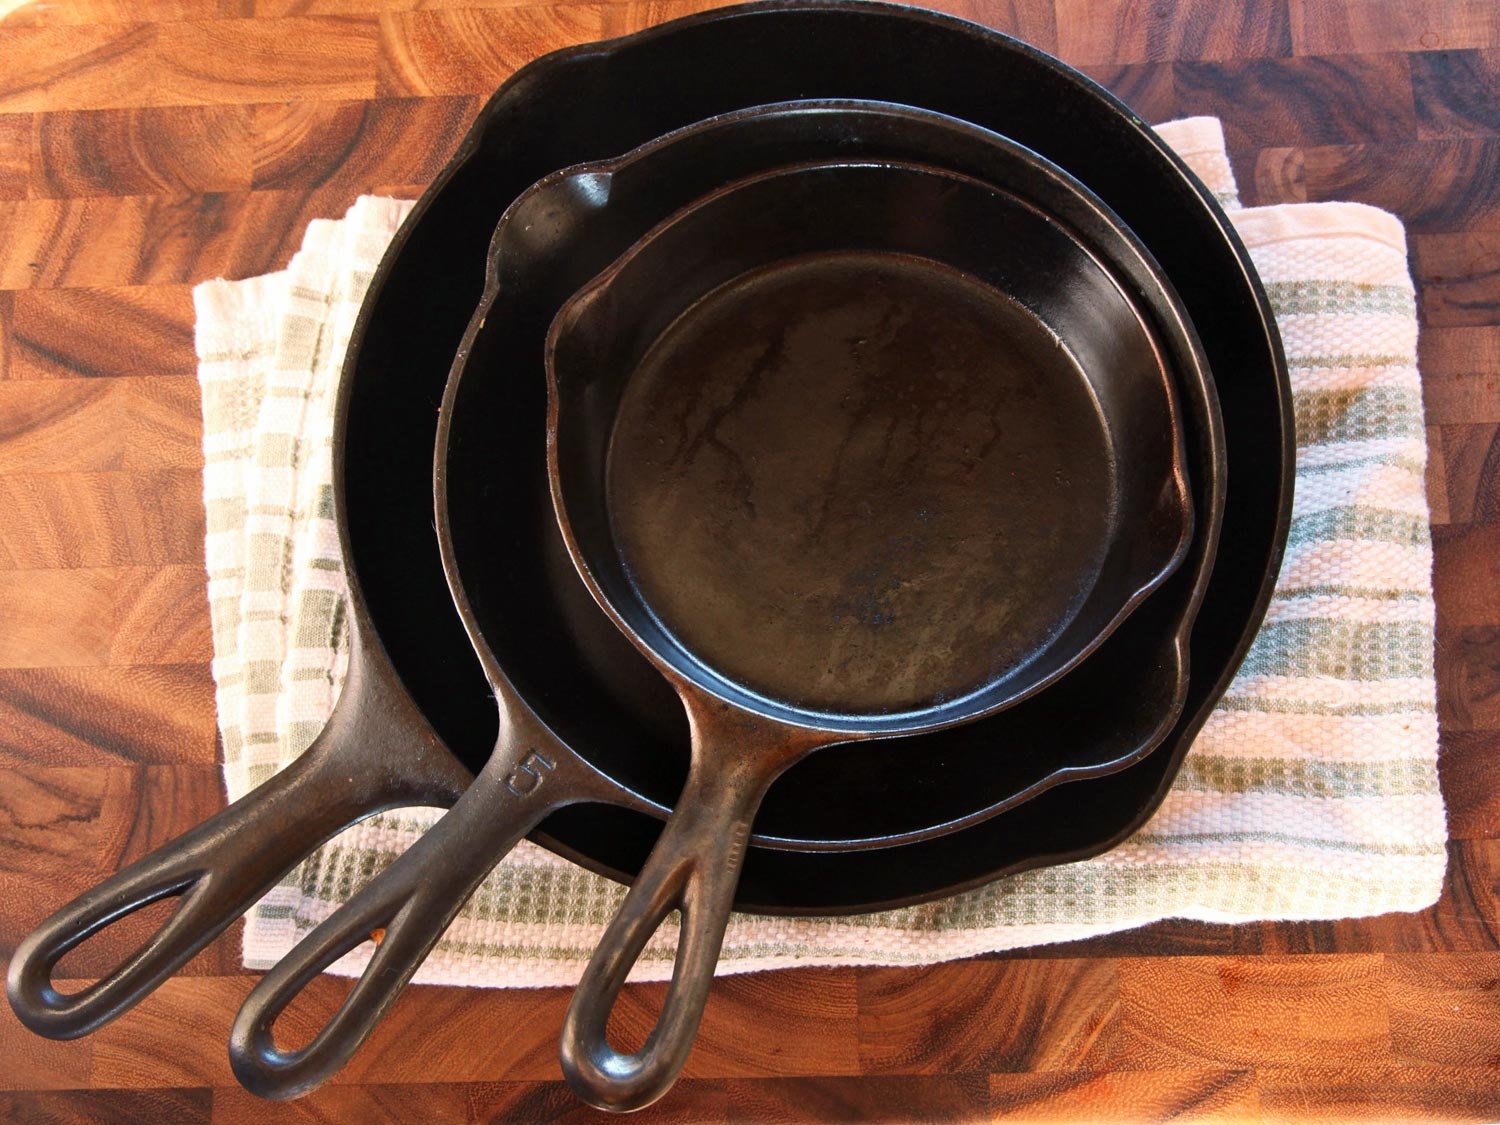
780, 493
592, 103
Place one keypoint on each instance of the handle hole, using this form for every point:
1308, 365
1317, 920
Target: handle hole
638, 1007
313, 1008
101, 953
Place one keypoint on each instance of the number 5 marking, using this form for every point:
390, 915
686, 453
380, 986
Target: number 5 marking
529, 774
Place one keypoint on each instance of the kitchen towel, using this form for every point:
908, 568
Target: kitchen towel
1311, 793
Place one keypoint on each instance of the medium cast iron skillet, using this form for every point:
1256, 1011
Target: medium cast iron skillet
561, 232
480, 468
847, 451
590, 101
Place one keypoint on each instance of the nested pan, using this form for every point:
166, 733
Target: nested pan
848, 451
1115, 709
412, 901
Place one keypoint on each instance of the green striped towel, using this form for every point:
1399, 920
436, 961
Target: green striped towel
1311, 793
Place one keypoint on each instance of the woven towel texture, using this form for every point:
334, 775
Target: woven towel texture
1311, 793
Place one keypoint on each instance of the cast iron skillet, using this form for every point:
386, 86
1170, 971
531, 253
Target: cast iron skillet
587, 103
558, 234
847, 451
593, 101
540, 254
243, 861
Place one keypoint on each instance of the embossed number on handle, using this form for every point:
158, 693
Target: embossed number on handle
536, 767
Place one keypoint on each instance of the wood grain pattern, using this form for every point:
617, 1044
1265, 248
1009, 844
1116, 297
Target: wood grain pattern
84, 67
219, 61
1302, 101
146, 145
103, 615
108, 715
15, 155
88, 1107
472, 51
152, 239
1323, 26
1012, 1016
1252, 1011
1132, 1097
140, 151
1457, 93
149, 332
1435, 186
1116, 32
100, 519
1458, 277
364, 145
1377, 1094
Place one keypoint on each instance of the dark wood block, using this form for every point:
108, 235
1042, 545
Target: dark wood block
211, 62
473, 51
1129, 1098
1458, 278
89, 1107
1460, 374
140, 151
434, 1102
1457, 93
1445, 1008
1465, 570
1279, 175
84, 67
1378, 1094
1302, 101
90, 717
988, 1016
15, 155
1471, 468
1326, 26
1432, 186
193, 1014
33, 1063
1468, 666
68, 829
93, 333
1114, 31
366, 146
905, 1100
1192, 1012
154, 240
799, 1022
101, 519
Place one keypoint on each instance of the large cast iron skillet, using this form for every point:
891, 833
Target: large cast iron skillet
594, 102
590, 103
492, 495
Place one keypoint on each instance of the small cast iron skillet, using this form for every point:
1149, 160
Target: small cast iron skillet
1149, 522
848, 451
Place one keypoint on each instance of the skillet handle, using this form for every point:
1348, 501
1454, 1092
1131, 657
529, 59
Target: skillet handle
371, 756
695, 867
405, 909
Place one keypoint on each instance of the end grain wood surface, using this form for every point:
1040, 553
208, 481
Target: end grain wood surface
148, 144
